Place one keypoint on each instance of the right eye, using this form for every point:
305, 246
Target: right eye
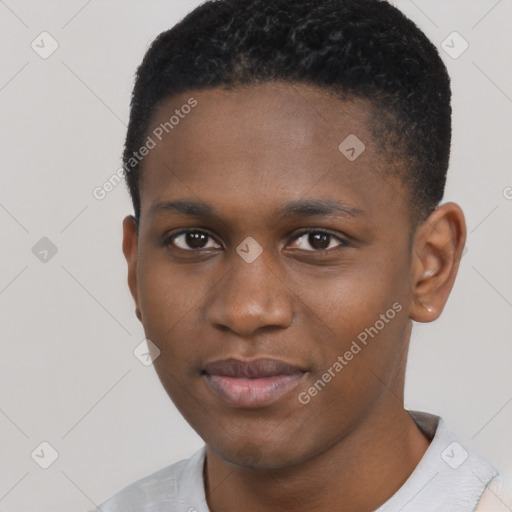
192, 240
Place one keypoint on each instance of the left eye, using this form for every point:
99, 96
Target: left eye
318, 240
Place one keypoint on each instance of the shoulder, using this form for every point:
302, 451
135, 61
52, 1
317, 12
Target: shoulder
170, 488
497, 496
448, 477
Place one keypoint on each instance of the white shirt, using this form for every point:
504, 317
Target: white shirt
448, 478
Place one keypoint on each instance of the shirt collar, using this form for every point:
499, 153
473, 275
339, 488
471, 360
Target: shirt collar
448, 477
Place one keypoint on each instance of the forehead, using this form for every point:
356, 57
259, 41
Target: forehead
276, 117
271, 142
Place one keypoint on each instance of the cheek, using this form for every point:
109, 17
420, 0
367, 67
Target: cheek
350, 299
170, 304
166, 290
170, 300
359, 316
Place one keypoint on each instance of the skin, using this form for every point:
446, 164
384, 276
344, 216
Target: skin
247, 152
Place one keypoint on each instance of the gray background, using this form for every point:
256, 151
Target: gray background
68, 375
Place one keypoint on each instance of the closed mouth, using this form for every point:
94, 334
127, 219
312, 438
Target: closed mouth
251, 384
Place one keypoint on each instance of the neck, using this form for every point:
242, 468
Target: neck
347, 477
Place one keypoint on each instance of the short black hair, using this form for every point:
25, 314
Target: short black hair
357, 48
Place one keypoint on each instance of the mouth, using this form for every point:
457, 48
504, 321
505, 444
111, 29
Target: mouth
251, 384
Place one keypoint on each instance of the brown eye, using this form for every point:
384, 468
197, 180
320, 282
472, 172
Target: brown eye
318, 241
193, 240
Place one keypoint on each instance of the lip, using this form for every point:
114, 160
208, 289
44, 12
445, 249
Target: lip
250, 384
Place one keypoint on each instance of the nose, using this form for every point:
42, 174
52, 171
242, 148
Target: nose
249, 298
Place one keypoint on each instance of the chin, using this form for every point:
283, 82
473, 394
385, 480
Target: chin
262, 455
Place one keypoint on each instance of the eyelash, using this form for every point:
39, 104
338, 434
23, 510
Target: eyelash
342, 241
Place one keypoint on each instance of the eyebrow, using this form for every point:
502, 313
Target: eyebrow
316, 207
190, 208
297, 208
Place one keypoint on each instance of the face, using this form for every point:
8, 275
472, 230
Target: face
272, 269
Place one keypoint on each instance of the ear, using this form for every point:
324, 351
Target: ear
437, 250
130, 237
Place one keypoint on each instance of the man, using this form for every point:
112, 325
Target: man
286, 162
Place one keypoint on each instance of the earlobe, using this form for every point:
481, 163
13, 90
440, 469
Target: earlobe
437, 250
130, 245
